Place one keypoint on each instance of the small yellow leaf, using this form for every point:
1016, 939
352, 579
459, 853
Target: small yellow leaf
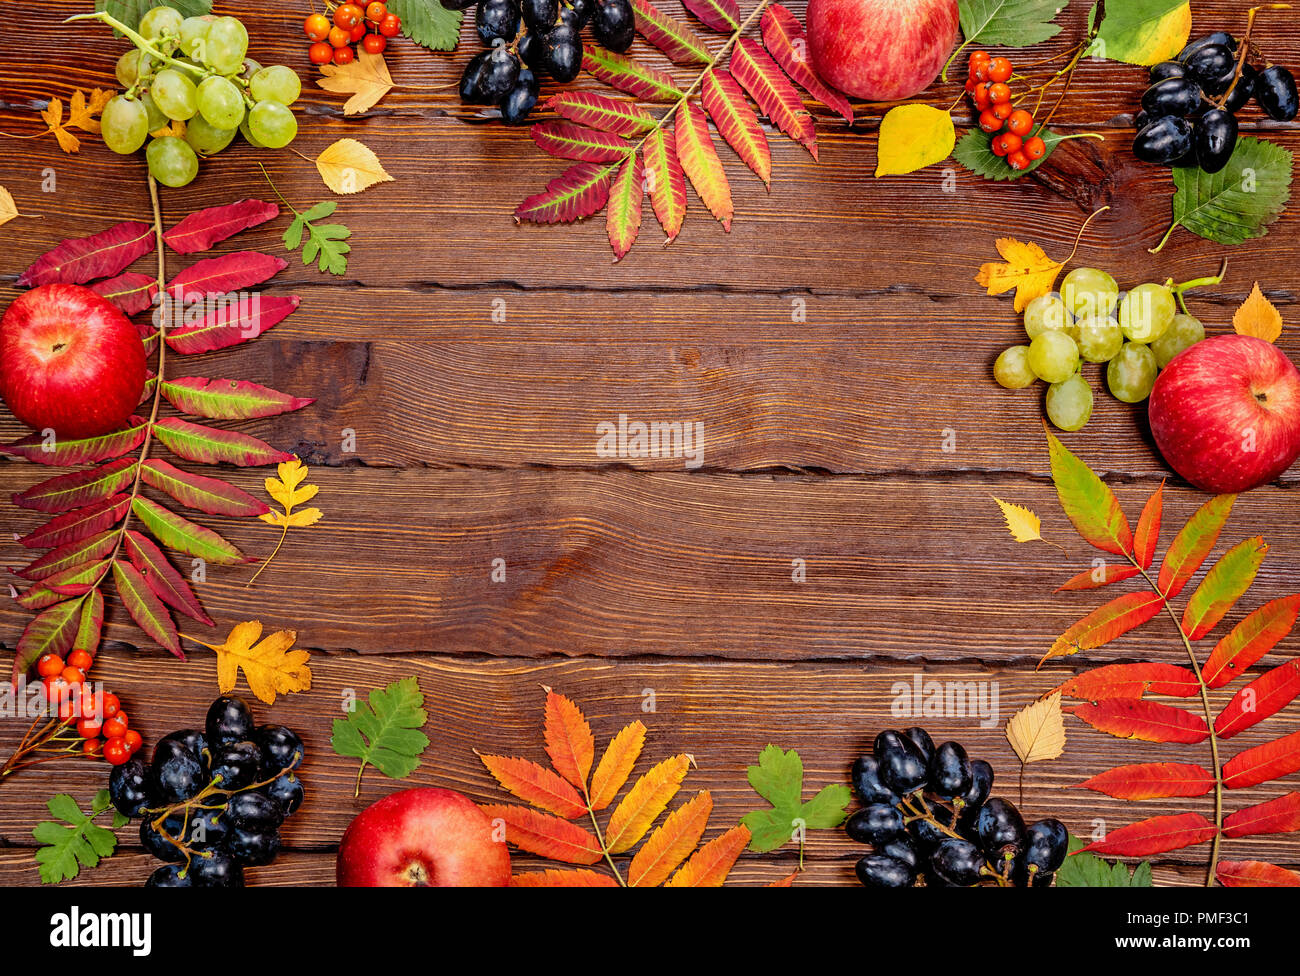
1258, 317
270, 666
366, 80
1037, 731
175, 128
287, 492
1028, 270
1023, 524
81, 109
913, 137
298, 520
53, 113
8, 209
350, 166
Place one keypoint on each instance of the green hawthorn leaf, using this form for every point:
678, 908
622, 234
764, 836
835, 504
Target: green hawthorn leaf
428, 23
778, 778
325, 243
78, 841
1238, 203
384, 731
975, 152
1009, 23
1091, 871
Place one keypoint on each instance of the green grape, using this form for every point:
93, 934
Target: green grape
277, 83
1012, 369
157, 120
250, 68
128, 68
1069, 403
220, 102
227, 43
247, 133
1100, 339
1053, 357
1046, 313
206, 139
171, 161
1146, 312
1088, 291
174, 94
1184, 333
194, 36
272, 124
159, 21
1132, 373
124, 124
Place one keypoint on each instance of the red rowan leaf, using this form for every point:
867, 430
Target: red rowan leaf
623, 216
617, 115
1088, 502
1152, 781
1250, 640
543, 834
209, 495
1107, 622
224, 274
1267, 695
629, 76
1277, 816
77, 488
84, 259
182, 535
91, 623
1255, 874
719, 15
1225, 584
1137, 718
1192, 544
1158, 835
700, 162
672, 36
211, 445
783, 36
571, 141
726, 104
79, 524
536, 785
1147, 536
568, 737
145, 608
84, 450
131, 292
578, 192
229, 399
1272, 760
73, 554
162, 577
232, 323
768, 86
204, 228
666, 181
1132, 681
1110, 573
50, 632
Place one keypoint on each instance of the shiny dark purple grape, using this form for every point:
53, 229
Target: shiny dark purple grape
1000, 828
254, 811
614, 24
237, 765
281, 749
1215, 138
497, 20
170, 876
288, 791
539, 15
902, 765
253, 847
533, 51
921, 739
521, 99
877, 824
950, 771
903, 850
582, 10
1046, 843
1167, 69
1213, 67
1243, 91
1218, 37
1275, 91
471, 80
981, 784
500, 73
866, 782
1164, 141
563, 52
229, 720
883, 871
958, 862
1178, 97
217, 869
128, 787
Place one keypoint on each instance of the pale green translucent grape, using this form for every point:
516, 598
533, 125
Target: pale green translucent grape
248, 135
194, 36
278, 83
159, 21
1146, 312
227, 43
1012, 369
204, 138
157, 120
1185, 332
1053, 356
1132, 373
272, 124
251, 68
1069, 403
171, 161
1047, 313
128, 68
220, 103
124, 124
1089, 291
174, 94
1100, 339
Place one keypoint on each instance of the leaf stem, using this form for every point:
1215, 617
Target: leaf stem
1244, 47
266, 562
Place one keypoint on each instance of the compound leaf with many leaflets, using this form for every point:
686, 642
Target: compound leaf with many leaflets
326, 242
778, 778
384, 731
77, 841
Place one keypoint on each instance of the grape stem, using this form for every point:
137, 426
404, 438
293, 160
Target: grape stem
138, 40
1178, 289
1244, 48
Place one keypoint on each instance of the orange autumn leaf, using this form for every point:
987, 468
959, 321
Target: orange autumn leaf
616, 765
786, 882
540, 833
648, 797
668, 846
710, 865
1258, 317
569, 741
553, 878
536, 785
1026, 268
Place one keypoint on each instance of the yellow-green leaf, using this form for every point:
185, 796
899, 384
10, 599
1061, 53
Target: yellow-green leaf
913, 137
1143, 33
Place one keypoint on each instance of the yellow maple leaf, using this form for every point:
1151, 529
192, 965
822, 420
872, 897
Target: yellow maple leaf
349, 166
271, 666
366, 80
1023, 524
289, 491
1027, 269
1037, 731
53, 116
1258, 317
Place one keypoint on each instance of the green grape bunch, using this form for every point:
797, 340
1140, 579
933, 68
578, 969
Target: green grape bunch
196, 71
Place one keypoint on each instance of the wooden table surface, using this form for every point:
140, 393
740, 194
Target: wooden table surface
864, 438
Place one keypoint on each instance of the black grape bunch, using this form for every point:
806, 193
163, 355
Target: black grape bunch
928, 814
530, 38
212, 801
1186, 121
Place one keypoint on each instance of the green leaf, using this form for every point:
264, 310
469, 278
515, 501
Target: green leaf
1143, 32
129, 12
428, 23
1090, 871
975, 152
1010, 23
180, 534
1238, 203
1192, 544
1223, 586
77, 842
1088, 502
325, 243
385, 731
778, 778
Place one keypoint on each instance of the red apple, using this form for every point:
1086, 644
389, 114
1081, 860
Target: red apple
70, 360
423, 838
881, 50
1226, 413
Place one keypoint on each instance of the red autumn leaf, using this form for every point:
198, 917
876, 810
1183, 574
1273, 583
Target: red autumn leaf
232, 323
211, 445
1272, 760
68, 491
701, 164
759, 75
1095, 579
1152, 781
1255, 874
553, 878
1107, 622
131, 292
1147, 536
617, 115
80, 523
203, 494
623, 216
85, 450
101, 255
709, 866
536, 785
629, 76
1132, 681
1267, 695
571, 141
578, 192
1250, 640
1137, 718
224, 274
1223, 586
73, 554
672, 36
1157, 835
666, 182
543, 834
1277, 816
162, 577
1089, 502
568, 737
784, 37
50, 632
218, 399
1192, 544
181, 535
204, 228
145, 608
90, 627
719, 15
726, 104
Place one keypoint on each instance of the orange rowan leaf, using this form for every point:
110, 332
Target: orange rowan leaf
710, 865
701, 164
552, 878
540, 833
668, 846
616, 765
569, 741
786, 882
726, 104
536, 785
648, 797
1256, 874
1157, 835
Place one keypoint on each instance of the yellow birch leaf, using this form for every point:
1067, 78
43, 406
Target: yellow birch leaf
648, 797
1258, 317
1037, 731
270, 666
913, 137
350, 166
366, 80
1028, 270
8, 209
710, 865
1023, 524
668, 846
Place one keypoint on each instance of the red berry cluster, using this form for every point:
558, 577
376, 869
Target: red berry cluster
101, 723
989, 88
371, 26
